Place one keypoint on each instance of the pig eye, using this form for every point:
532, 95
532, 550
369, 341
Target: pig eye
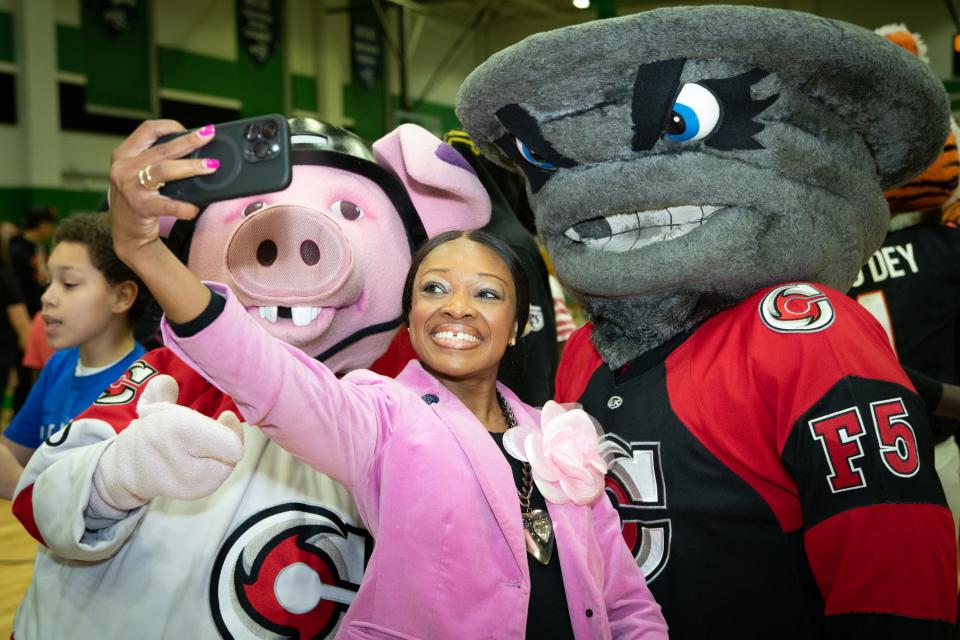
347, 210
253, 207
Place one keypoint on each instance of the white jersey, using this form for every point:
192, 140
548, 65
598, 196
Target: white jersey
277, 551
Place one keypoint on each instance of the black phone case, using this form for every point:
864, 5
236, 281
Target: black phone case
242, 172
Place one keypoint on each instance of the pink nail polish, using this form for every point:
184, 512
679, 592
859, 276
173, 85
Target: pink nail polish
206, 131
211, 163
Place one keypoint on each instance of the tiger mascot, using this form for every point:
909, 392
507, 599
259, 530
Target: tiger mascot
911, 284
936, 187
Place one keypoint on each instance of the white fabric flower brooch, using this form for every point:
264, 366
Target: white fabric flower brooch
564, 454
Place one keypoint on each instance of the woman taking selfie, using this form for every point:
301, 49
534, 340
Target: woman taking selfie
471, 540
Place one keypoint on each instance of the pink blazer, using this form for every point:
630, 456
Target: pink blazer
434, 490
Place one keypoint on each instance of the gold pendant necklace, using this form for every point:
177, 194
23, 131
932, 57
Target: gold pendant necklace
537, 527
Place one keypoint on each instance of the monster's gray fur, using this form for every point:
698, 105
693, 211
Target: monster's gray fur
853, 114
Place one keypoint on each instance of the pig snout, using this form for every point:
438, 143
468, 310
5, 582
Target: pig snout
289, 251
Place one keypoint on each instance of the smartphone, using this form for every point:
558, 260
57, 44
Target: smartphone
254, 155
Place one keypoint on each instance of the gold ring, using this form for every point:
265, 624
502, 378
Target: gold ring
147, 181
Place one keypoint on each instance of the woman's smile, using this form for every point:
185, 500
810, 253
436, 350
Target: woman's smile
455, 337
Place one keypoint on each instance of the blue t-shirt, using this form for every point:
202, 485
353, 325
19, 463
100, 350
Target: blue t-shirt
59, 395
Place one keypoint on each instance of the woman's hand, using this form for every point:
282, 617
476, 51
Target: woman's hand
138, 170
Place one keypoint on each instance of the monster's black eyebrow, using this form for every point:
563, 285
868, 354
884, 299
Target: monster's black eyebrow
654, 92
524, 126
738, 129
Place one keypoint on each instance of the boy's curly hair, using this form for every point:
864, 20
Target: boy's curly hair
93, 231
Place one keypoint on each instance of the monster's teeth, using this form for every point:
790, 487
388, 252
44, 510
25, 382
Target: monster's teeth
622, 232
314, 312
269, 314
709, 210
685, 214
301, 316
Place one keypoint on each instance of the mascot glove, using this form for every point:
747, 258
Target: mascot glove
168, 450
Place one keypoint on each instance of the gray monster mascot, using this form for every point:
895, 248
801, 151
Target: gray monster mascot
708, 180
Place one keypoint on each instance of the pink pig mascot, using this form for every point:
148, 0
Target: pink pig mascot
159, 514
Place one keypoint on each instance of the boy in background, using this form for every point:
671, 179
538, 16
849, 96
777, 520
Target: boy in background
89, 311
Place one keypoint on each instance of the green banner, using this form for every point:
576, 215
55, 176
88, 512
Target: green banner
6, 37
606, 8
118, 49
260, 57
365, 98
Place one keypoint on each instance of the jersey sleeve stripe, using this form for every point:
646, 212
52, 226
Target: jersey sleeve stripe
23, 511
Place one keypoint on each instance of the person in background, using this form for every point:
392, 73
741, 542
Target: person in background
28, 254
37, 351
14, 326
911, 285
8, 230
28, 260
89, 310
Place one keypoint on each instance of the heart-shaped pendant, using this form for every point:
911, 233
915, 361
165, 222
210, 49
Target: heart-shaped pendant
538, 535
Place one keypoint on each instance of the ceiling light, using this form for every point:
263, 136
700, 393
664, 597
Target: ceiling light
581, 4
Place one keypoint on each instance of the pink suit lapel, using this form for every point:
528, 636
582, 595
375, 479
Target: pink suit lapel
489, 466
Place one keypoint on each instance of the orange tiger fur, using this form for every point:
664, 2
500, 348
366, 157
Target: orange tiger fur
935, 187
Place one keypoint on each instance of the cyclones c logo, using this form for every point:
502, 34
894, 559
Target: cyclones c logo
796, 308
634, 484
125, 389
288, 572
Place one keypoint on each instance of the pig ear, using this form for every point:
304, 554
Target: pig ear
441, 183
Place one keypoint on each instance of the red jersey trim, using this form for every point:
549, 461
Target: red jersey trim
856, 557
577, 364
23, 511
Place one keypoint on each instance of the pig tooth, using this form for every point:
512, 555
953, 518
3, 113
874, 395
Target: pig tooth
269, 314
314, 312
301, 316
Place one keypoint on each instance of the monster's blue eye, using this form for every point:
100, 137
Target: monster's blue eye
534, 158
695, 114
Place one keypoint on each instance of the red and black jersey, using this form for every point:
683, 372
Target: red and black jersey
117, 405
774, 473
911, 285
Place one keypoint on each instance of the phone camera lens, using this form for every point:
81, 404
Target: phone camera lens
270, 129
251, 132
261, 150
